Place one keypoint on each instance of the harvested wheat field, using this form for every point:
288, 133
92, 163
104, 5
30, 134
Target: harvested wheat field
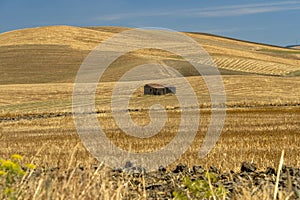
36, 121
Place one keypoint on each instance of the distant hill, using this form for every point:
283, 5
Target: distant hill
55, 53
294, 46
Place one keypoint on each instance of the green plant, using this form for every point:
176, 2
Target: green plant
201, 188
11, 172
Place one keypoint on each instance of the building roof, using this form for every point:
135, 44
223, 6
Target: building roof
155, 85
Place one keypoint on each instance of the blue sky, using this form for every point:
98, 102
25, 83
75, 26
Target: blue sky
268, 21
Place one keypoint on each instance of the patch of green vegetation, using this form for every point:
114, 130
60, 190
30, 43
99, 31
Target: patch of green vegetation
295, 73
280, 51
11, 172
199, 189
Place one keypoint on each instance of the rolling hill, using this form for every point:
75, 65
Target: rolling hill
294, 47
53, 55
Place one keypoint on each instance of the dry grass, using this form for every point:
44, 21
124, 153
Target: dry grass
253, 135
248, 134
263, 115
241, 91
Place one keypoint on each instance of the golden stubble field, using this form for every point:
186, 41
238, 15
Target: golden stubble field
262, 119
257, 135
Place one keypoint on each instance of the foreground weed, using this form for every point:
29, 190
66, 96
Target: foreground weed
11, 172
200, 189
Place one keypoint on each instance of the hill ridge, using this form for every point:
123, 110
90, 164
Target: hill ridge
55, 53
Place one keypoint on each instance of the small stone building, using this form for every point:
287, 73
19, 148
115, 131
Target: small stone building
158, 89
